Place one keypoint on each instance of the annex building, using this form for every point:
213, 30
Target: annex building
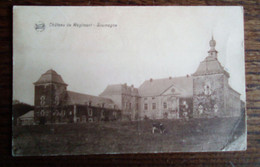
204, 94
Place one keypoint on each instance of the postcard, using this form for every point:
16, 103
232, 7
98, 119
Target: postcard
114, 80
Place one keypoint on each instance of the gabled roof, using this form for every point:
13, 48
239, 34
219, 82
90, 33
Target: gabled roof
50, 76
83, 99
210, 65
156, 87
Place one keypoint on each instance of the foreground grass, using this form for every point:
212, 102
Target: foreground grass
122, 137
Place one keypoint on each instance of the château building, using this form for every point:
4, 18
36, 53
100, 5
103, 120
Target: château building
204, 94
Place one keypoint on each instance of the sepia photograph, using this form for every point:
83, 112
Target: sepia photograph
116, 80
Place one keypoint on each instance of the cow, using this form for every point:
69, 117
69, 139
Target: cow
158, 127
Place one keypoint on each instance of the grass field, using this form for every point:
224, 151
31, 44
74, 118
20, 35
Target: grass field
123, 137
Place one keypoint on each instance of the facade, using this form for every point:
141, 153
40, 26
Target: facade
126, 98
204, 94
166, 98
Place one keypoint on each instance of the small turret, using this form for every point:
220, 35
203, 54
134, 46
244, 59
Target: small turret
212, 52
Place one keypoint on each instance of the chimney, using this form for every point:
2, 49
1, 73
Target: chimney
170, 77
132, 85
187, 76
151, 80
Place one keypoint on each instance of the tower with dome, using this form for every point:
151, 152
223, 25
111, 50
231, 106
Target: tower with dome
212, 94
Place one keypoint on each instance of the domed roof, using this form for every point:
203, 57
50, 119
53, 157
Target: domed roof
210, 65
50, 76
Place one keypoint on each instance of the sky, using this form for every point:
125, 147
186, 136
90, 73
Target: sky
144, 43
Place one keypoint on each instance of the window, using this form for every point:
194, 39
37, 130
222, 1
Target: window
154, 106
215, 108
42, 113
102, 115
89, 103
114, 114
165, 105
145, 98
103, 105
145, 106
90, 120
153, 98
90, 113
200, 109
130, 105
42, 102
136, 106
57, 100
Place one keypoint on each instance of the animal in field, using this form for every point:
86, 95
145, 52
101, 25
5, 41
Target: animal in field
158, 128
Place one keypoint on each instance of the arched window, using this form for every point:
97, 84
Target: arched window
215, 108
42, 113
200, 109
42, 102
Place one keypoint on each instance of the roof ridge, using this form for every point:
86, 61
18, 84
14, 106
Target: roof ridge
87, 95
168, 78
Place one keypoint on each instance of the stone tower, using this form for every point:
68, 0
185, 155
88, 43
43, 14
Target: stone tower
50, 92
209, 84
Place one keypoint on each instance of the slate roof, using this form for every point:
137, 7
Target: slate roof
112, 90
156, 87
119, 89
83, 99
29, 114
210, 65
50, 76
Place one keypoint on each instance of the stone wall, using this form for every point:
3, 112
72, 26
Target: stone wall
208, 96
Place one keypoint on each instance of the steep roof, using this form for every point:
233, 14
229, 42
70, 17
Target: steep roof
210, 65
83, 99
29, 114
112, 90
50, 76
119, 89
156, 87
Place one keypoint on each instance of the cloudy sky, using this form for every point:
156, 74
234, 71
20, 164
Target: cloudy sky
148, 42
